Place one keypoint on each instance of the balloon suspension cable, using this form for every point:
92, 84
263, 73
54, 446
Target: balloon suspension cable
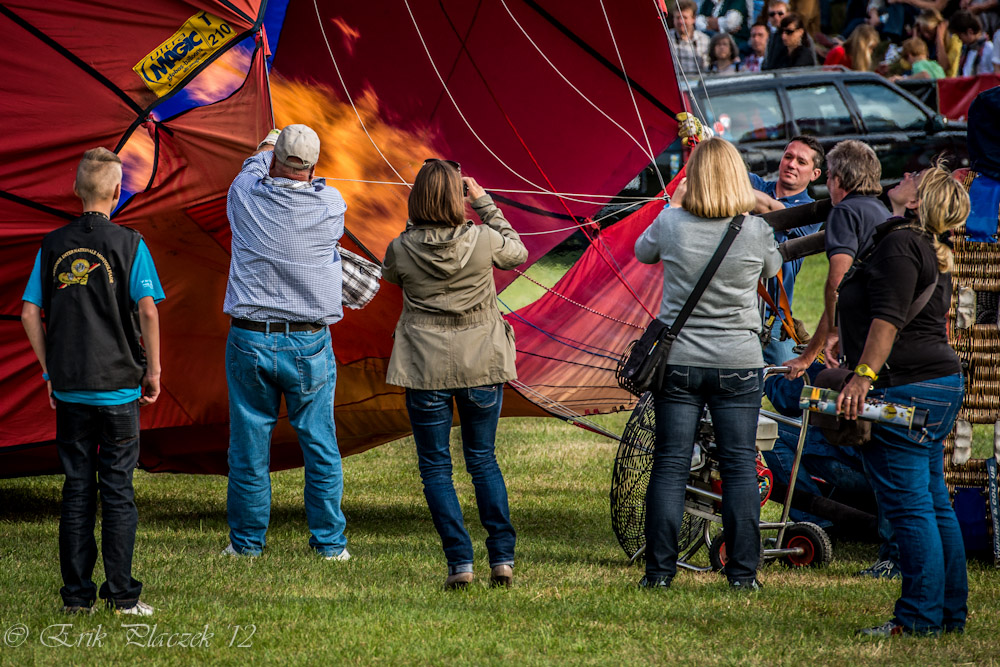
560, 411
267, 75
594, 239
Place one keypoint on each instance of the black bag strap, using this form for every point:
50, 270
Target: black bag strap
735, 225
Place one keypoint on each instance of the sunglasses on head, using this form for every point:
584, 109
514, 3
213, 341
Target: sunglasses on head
452, 163
777, 13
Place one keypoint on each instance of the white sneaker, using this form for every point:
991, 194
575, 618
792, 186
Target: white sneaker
230, 550
140, 608
343, 555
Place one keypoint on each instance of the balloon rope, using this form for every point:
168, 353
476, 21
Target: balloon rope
458, 110
558, 338
578, 304
638, 114
319, 20
648, 151
557, 409
616, 270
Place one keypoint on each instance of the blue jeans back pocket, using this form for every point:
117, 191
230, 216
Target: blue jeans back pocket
484, 397
243, 365
737, 382
675, 378
313, 371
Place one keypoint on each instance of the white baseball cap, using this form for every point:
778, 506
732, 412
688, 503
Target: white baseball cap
300, 142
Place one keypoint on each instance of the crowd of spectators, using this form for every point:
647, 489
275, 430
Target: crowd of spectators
924, 39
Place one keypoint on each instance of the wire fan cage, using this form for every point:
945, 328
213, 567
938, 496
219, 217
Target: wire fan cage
630, 478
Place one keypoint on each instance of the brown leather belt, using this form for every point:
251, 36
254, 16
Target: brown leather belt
277, 327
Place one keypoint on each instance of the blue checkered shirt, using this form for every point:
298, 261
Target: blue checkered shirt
285, 266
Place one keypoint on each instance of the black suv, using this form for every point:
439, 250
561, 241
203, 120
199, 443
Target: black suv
760, 112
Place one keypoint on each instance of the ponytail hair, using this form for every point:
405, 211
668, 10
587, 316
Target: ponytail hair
944, 205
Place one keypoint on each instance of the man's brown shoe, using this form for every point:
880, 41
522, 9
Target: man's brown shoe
501, 575
458, 580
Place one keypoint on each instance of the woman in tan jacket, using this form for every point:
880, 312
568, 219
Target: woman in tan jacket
452, 347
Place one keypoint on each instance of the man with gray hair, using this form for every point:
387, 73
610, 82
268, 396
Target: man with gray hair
854, 180
285, 289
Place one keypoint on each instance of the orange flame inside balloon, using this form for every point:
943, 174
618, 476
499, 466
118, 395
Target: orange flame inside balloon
137, 159
376, 196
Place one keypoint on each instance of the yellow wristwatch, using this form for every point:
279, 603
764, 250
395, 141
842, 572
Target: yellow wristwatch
865, 371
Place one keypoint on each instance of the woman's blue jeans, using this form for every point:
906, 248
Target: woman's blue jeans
733, 399
260, 368
907, 473
431, 414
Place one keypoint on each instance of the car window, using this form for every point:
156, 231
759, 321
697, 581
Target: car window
820, 111
882, 109
742, 117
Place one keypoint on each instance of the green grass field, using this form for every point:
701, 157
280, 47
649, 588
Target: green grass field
574, 600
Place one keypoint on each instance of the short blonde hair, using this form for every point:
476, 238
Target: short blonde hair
98, 173
944, 205
914, 46
856, 166
717, 182
436, 197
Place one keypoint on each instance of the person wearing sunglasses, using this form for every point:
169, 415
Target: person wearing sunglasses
452, 348
774, 13
796, 46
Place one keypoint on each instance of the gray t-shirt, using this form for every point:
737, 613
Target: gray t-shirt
722, 332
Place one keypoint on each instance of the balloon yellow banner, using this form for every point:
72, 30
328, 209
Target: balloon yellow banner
194, 43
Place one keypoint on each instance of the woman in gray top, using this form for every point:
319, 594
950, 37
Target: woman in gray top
714, 362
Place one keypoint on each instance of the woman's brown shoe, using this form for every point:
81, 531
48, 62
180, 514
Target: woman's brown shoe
501, 575
458, 580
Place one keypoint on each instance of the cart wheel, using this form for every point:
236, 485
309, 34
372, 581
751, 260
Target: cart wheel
717, 555
814, 542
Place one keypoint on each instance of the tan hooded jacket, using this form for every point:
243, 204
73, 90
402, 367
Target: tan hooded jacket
451, 334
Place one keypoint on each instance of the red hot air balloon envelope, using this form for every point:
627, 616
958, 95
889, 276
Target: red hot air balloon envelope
554, 106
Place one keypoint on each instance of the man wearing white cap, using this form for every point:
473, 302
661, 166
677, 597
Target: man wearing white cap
284, 291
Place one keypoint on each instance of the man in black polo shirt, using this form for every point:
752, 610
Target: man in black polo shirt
853, 178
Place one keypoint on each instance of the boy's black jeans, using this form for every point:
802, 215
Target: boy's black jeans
98, 447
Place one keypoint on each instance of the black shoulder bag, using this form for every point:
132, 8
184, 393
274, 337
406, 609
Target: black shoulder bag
642, 364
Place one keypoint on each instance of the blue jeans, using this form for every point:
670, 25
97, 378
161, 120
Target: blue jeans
846, 481
431, 414
907, 472
780, 461
260, 368
98, 447
733, 399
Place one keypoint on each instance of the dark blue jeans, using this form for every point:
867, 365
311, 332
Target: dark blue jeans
907, 472
733, 399
431, 414
98, 447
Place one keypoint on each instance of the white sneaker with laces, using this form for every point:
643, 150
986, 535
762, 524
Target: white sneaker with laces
343, 555
140, 608
230, 551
